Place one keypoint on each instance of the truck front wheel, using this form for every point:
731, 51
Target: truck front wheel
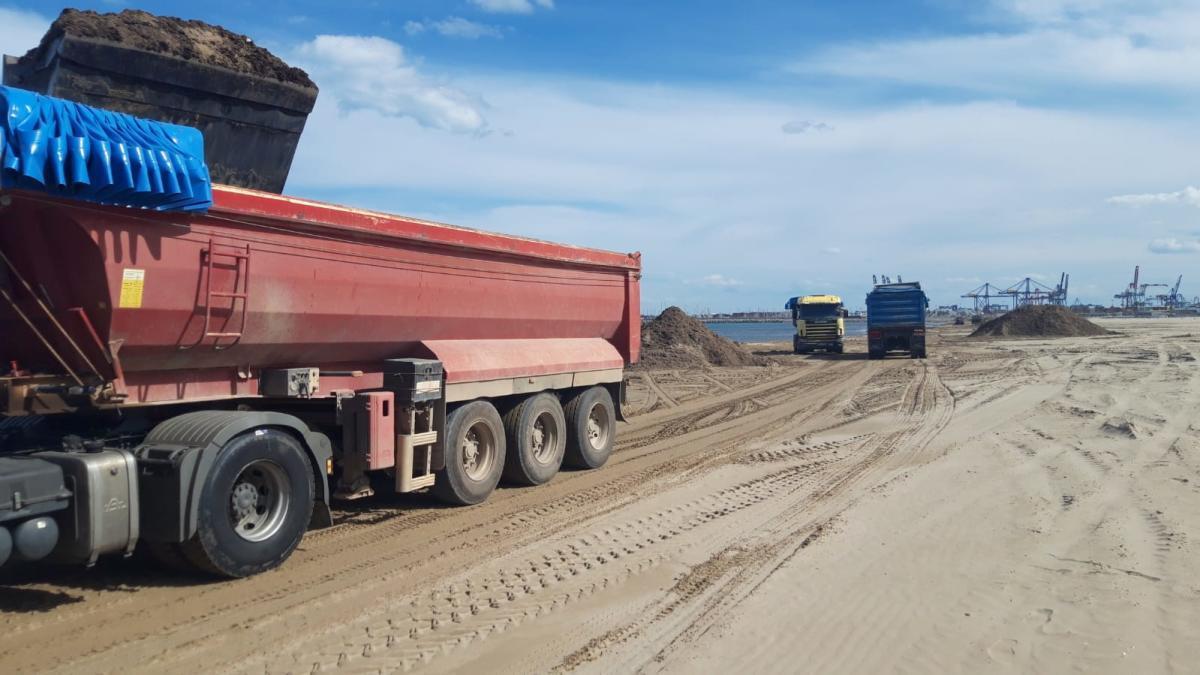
254, 507
475, 450
591, 429
537, 439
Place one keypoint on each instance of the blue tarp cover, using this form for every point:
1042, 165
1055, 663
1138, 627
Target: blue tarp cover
73, 150
900, 304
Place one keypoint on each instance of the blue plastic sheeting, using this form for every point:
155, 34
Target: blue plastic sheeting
73, 150
896, 305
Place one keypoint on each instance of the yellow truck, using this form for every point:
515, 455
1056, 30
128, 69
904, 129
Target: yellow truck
820, 322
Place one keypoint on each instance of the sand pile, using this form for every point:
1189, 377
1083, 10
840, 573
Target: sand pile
676, 340
192, 40
1039, 321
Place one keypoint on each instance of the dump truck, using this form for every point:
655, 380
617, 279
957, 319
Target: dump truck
896, 320
200, 370
819, 321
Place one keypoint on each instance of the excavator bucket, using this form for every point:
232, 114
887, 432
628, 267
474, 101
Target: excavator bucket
249, 104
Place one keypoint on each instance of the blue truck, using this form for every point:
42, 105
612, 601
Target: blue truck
896, 319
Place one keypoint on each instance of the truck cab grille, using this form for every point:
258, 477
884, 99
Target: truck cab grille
820, 330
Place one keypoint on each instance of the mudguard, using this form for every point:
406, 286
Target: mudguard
175, 459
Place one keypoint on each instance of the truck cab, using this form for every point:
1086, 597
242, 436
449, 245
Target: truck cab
819, 321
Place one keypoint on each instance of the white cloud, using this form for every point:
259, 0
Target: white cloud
1173, 245
833, 250
20, 30
1080, 13
454, 26
372, 73
804, 126
719, 280
1073, 44
512, 6
1188, 195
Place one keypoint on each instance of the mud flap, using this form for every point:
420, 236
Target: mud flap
619, 394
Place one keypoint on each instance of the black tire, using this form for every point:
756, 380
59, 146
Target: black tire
874, 355
919, 354
475, 449
536, 430
591, 429
839, 349
271, 464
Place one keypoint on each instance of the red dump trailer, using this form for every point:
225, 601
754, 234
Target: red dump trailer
207, 383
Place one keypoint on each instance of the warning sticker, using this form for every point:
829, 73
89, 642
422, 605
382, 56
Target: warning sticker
132, 283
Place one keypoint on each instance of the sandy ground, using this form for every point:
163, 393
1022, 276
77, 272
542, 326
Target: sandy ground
1015, 505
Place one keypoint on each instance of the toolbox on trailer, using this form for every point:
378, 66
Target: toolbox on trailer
413, 380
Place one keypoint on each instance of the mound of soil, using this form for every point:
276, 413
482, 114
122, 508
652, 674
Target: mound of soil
676, 340
191, 40
1039, 321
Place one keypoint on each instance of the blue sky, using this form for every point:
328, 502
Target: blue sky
757, 150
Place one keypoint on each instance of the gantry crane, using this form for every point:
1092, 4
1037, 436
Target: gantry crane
982, 297
1030, 292
1130, 297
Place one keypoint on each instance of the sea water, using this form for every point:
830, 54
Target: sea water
773, 332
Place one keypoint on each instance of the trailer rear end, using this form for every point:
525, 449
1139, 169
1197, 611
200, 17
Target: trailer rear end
896, 320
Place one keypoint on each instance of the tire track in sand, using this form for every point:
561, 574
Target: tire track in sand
128, 621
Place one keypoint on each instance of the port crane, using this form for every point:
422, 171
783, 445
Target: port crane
982, 297
1173, 300
1129, 297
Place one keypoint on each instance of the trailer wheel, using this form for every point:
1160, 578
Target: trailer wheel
591, 429
537, 438
475, 448
255, 505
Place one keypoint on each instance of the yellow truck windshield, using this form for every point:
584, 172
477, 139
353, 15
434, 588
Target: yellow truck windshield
818, 312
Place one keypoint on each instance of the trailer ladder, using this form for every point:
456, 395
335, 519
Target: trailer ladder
241, 280
417, 437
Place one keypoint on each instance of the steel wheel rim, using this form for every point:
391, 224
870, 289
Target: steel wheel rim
259, 501
544, 437
599, 426
478, 451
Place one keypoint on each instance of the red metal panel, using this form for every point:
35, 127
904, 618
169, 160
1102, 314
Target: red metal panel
630, 339
292, 212
369, 428
482, 360
316, 286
